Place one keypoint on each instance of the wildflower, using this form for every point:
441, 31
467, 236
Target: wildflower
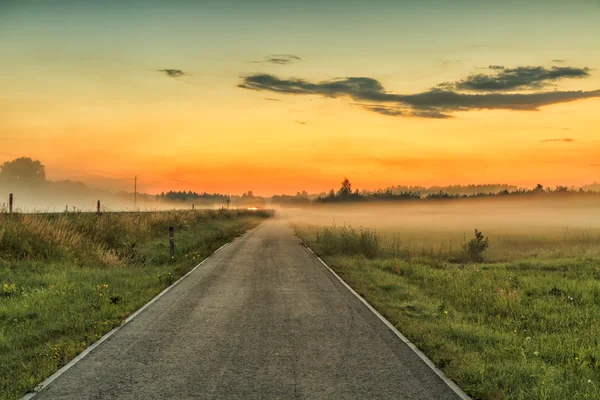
536, 353
446, 312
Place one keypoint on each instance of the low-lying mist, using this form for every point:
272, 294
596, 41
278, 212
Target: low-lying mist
517, 228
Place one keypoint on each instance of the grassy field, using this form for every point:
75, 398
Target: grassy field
67, 279
523, 323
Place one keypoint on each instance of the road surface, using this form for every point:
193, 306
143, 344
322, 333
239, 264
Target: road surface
261, 319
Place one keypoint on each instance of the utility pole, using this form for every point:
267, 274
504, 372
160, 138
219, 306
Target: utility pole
135, 193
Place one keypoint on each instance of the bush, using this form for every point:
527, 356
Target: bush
348, 241
475, 247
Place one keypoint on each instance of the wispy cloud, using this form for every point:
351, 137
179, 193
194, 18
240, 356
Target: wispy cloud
446, 63
561, 129
172, 73
301, 122
562, 140
514, 79
271, 99
438, 102
280, 59
558, 61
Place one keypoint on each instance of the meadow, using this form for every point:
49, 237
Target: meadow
520, 320
67, 279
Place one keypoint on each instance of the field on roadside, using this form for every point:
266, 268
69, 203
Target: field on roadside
67, 279
523, 322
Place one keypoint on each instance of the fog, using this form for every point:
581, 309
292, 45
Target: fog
76, 197
494, 214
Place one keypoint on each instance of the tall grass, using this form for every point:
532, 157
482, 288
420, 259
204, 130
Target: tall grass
521, 324
347, 240
448, 245
66, 279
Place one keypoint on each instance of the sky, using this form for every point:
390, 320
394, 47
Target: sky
279, 97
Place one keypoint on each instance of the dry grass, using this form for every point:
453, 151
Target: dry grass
66, 279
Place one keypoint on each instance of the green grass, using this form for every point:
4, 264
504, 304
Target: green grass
518, 326
66, 280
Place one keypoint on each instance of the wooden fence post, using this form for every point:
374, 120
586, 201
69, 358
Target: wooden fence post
10, 203
98, 208
172, 242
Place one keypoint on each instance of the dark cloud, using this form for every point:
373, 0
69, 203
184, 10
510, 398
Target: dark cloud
172, 73
280, 59
398, 112
519, 78
563, 140
393, 112
434, 103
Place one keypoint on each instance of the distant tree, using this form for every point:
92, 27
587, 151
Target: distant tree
24, 170
346, 189
539, 188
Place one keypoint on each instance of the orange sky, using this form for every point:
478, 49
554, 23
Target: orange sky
95, 108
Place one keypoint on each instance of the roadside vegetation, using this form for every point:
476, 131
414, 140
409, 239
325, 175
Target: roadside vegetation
67, 279
509, 316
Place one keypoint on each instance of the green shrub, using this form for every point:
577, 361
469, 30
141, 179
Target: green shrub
475, 247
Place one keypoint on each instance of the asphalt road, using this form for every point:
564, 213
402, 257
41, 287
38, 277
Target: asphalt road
261, 319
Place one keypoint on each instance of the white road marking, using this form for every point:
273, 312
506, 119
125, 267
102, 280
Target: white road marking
459, 392
87, 351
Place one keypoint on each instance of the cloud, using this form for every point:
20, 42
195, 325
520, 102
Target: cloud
434, 103
519, 78
280, 59
301, 122
553, 128
558, 61
563, 140
271, 99
447, 63
172, 73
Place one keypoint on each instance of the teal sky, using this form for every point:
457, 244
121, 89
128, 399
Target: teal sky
374, 36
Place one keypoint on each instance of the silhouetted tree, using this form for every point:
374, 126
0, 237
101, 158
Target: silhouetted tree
24, 170
346, 189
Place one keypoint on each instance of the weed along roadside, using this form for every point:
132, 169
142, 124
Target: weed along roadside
517, 328
67, 279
